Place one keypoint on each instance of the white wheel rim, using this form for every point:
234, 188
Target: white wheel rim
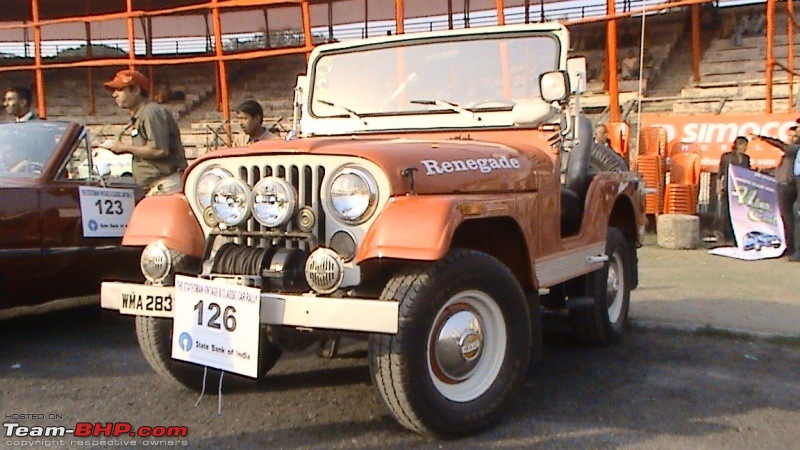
615, 288
482, 345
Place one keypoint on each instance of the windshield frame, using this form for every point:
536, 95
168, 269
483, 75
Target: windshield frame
338, 120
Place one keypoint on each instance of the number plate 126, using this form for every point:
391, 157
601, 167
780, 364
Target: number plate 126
216, 325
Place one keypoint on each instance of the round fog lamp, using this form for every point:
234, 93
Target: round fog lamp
274, 202
155, 262
344, 245
230, 201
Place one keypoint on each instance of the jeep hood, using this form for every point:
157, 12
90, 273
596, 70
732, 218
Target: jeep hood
439, 166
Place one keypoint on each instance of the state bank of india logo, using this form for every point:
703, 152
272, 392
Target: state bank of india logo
93, 225
185, 341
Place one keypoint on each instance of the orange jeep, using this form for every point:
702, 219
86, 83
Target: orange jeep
436, 193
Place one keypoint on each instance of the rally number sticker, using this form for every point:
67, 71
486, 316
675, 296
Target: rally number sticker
105, 212
216, 325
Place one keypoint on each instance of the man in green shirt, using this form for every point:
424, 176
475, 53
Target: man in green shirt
158, 156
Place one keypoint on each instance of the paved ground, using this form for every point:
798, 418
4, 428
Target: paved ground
692, 288
658, 389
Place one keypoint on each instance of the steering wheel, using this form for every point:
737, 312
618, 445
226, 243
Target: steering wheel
26, 166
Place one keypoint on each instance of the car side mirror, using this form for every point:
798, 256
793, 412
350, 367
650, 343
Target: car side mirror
576, 68
554, 86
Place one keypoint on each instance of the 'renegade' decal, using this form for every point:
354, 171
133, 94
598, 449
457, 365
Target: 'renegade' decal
483, 165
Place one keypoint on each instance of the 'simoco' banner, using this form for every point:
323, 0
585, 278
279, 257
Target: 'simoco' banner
754, 214
711, 135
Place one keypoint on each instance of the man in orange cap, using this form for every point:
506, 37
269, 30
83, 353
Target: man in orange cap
158, 156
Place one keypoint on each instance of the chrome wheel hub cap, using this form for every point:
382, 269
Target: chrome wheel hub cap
467, 346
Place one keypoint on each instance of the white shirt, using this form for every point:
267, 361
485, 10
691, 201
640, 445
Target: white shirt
26, 117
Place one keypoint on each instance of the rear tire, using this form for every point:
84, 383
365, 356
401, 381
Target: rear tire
604, 323
462, 347
155, 340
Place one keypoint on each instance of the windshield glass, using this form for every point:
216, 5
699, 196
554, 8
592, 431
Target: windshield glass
26, 147
478, 72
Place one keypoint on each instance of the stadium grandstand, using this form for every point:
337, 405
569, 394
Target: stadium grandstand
686, 76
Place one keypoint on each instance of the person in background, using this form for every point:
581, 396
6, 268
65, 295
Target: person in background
601, 149
250, 116
737, 157
600, 135
158, 155
17, 103
630, 66
787, 186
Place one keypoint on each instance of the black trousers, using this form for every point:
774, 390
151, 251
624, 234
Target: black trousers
787, 196
724, 224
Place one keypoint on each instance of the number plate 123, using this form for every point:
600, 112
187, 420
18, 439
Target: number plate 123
216, 325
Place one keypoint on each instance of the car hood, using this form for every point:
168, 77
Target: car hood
438, 165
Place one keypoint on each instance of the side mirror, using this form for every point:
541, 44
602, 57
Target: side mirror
554, 86
576, 68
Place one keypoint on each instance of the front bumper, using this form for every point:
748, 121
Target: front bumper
305, 311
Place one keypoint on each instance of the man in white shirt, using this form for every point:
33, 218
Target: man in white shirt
17, 103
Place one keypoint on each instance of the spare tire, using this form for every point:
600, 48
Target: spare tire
604, 159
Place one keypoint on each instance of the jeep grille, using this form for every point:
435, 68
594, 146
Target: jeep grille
306, 179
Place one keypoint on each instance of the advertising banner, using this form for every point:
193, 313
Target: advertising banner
756, 219
711, 135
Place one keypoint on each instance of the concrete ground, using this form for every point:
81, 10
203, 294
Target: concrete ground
694, 289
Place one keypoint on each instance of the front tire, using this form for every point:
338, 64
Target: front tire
462, 347
604, 323
155, 340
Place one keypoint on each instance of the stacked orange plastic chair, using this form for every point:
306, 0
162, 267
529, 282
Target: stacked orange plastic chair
680, 196
652, 167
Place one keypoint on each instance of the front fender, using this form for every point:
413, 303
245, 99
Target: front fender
413, 227
167, 218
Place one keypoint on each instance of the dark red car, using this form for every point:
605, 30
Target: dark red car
60, 223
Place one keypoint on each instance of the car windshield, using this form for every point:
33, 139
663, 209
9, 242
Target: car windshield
448, 77
25, 148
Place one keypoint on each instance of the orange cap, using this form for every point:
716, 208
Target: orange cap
125, 78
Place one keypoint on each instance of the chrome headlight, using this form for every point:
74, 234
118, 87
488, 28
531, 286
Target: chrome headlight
274, 202
206, 183
155, 262
353, 195
230, 201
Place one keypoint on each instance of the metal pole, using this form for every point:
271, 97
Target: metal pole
770, 53
450, 14
306, 13
366, 18
790, 41
89, 73
696, 43
501, 17
223, 74
131, 36
399, 16
611, 63
41, 105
